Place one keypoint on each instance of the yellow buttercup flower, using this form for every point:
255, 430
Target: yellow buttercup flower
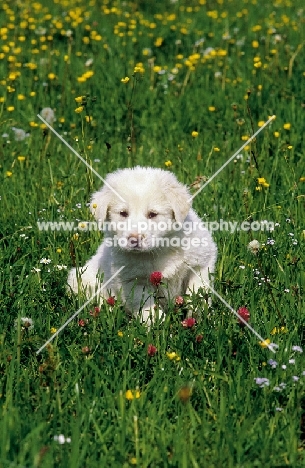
53, 330
125, 80
80, 99
287, 126
261, 180
265, 343
195, 134
21, 158
79, 109
173, 356
276, 331
9, 174
131, 394
168, 163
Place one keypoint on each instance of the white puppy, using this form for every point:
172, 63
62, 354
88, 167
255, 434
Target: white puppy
149, 226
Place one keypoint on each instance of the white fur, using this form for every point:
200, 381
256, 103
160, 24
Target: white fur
146, 191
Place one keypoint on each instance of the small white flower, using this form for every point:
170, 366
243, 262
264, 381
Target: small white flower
61, 267
89, 62
26, 323
254, 246
45, 261
297, 349
262, 381
19, 134
48, 115
291, 361
61, 439
40, 31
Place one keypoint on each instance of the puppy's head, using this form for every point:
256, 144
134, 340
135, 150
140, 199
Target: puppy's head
140, 204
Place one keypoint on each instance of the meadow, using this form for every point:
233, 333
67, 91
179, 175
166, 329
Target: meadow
180, 85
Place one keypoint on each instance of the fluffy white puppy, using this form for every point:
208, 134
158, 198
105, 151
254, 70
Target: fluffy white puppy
148, 226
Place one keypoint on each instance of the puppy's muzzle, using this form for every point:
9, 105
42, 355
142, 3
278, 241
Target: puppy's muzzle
135, 240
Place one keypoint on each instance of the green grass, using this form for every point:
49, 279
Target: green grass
203, 407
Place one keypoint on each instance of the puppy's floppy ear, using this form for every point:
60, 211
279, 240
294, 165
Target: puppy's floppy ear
100, 202
179, 198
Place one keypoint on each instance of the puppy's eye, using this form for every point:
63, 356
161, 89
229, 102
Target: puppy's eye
152, 214
124, 214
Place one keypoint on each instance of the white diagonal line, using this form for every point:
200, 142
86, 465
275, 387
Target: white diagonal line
232, 157
208, 286
79, 156
78, 311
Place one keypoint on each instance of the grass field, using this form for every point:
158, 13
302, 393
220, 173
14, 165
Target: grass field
179, 85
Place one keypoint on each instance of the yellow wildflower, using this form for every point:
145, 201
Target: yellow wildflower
173, 356
261, 180
276, 134
53, 330
79, 99
125, 80
276, 331
139, 69
195, 134
21, 158
302, 179
265, 343
287, 126
216, 149
131, 394
212, 108
120, 334
79, 109
168, 163
9, 174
